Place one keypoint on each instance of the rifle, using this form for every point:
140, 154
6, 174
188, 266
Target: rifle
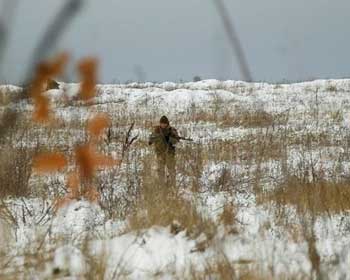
184, 138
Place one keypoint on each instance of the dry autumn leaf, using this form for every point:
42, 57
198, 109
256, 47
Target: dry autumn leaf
73, 184
44, 72
84, 157
58, 64
88, 72
41, 109
103, 161
97, 124
92, 194
88, 160
49, 162
61, 202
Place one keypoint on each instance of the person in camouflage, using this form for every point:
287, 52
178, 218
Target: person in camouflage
164, 138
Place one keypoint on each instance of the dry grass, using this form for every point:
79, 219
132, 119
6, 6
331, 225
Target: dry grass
317, 139
193, 158
15, 171
228, 215
318, 198
159, 205
7, 122
225, 117
8, 95
175, 212
222, 268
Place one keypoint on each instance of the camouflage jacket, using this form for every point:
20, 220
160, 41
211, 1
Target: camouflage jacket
164, 140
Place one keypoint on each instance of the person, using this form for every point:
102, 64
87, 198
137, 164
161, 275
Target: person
164, 138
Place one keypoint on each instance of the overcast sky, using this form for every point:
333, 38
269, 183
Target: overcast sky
159, 40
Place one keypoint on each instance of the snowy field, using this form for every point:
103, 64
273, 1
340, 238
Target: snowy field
262, 191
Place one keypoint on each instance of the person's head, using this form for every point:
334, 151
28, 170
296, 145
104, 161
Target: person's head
164, 122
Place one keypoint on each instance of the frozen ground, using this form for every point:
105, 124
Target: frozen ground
228, 121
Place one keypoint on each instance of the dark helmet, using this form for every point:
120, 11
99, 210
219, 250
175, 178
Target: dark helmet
164, 119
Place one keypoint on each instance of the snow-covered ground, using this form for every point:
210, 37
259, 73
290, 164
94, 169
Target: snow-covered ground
301, 127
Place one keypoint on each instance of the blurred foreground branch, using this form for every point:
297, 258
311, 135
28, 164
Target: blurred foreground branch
45, 45
53, 33
7, 10
234, 40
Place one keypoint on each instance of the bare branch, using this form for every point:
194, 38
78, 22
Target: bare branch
7, 12
128, 140
234, 40
53, 33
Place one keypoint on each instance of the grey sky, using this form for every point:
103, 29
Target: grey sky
171, 40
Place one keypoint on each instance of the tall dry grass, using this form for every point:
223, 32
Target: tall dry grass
15, 171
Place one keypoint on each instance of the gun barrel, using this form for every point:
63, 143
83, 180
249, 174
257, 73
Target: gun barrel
186, 139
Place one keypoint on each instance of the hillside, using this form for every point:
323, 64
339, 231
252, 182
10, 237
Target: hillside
263, 191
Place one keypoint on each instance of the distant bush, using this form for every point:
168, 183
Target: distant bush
197, 79
331, 88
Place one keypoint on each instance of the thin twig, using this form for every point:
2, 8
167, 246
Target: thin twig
128, 142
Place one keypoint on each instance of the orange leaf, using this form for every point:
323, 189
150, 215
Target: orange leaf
84, 156
58, 64
92, 195
105, 161
42, 109
73, 183
97, 124
49, 162
37, 86
88, 72
62, 202
44, 72
88, 160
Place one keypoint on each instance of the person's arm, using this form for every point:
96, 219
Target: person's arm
174, 137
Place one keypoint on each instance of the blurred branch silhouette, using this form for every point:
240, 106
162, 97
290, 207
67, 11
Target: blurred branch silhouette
7, 11
45, 45
53, 33
234, 40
